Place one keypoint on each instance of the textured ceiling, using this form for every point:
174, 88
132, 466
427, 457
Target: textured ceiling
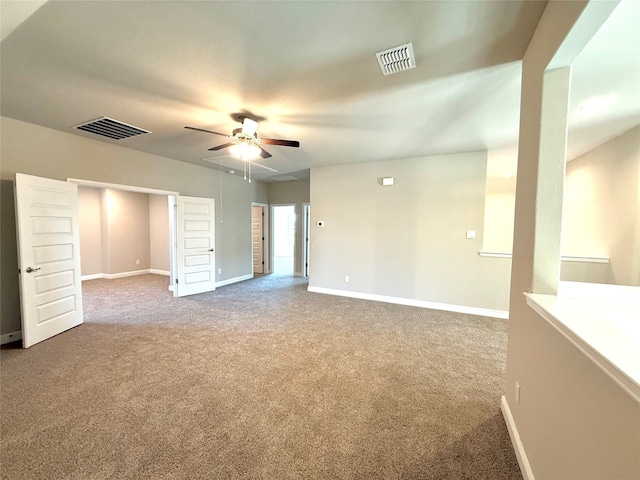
306, 70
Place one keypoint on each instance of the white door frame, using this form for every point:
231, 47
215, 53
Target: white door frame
266, 232
306, 230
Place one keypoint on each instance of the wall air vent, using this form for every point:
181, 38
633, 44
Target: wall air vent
397, 59
110, 128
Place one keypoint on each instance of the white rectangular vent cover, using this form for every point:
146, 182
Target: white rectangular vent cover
110, 128
397, 59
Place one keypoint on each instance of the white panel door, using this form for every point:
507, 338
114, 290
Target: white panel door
48, 257
195, 265
257, 229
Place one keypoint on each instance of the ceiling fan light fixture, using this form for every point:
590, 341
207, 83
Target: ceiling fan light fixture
249, 126
245, 150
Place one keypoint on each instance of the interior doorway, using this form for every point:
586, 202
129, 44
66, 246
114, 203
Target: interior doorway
259, 238
117, 202
284, 239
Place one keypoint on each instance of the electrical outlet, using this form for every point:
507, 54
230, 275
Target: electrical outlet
346, 279
219, 271
137, 262
517, 393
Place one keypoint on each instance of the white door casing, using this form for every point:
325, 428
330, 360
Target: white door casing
257, 232
305, 233
195, 252
48, 257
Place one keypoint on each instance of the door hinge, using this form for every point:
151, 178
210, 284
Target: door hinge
176, 281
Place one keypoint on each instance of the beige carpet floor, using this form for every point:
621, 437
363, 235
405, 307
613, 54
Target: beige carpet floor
257, 380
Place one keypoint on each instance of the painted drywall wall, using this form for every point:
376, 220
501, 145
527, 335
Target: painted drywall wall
500, 202
407, 240
128, 231
9, 288
601, 208
296, 192
35, 150
574, 422
105, 253
600, 218
159, 233
90, 228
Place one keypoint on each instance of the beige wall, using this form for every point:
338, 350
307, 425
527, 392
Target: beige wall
128, 231
500, 201
9, 296
574, 421
35, 150
159, 232
601, 213
408, 240
601, 207
296, 193
89, 224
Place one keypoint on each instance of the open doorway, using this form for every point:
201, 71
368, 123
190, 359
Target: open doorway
284, 239
124, 230
259, 235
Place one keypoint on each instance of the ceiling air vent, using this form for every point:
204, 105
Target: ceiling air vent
110, 128
397, 59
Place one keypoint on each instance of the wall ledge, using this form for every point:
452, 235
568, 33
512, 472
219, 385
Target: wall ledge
564, 258
608, 333
485, 312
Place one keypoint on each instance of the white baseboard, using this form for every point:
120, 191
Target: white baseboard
92, 277
133, 273
110, 276
486, 312
523, 461
155, 271
229, 281
10, 337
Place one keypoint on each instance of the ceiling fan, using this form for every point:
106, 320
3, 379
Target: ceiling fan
246, 145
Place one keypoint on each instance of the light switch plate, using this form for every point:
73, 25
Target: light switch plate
471, 234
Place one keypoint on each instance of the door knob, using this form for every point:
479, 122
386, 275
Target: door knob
29, 269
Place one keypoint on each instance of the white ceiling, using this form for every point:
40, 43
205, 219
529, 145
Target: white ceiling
306, 70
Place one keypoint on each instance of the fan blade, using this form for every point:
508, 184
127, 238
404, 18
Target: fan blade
208, 131
224, 145
264, 153
284, 143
